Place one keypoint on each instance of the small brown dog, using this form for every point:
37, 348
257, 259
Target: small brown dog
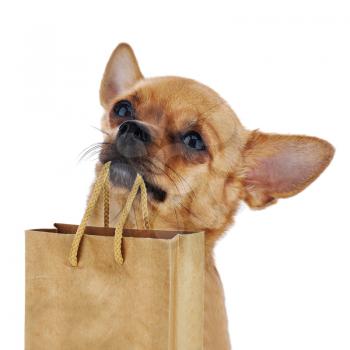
198, 162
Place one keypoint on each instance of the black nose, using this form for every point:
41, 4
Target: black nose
132, 139
132, 129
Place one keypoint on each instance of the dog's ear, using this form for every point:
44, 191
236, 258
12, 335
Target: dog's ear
121, 73
280, 166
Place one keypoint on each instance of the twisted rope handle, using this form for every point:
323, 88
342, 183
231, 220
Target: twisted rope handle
106, 204
99, 185
139, 183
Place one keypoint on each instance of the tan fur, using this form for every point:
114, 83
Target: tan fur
204, 192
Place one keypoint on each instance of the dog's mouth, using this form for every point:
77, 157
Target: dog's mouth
123, 174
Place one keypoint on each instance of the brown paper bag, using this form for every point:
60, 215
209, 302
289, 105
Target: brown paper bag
142, 291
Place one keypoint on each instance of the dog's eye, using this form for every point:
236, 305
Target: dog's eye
123, 109
193, 140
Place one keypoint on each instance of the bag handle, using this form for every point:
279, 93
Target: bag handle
106, 204
99, 185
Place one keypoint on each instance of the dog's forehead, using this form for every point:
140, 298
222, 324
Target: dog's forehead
176, 91
185, 101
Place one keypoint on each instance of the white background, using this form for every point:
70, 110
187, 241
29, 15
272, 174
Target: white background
282, 65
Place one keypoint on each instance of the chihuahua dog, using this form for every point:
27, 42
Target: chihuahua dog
197, 160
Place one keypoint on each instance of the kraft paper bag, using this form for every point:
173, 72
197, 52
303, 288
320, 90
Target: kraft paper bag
92, 288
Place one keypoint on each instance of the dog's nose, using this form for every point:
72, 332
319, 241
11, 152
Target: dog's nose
132, 139
135, 130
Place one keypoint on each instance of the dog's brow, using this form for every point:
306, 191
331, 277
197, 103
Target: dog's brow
191, 123
136, 98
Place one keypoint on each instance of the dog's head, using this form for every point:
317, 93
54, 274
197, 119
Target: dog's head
197, 159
